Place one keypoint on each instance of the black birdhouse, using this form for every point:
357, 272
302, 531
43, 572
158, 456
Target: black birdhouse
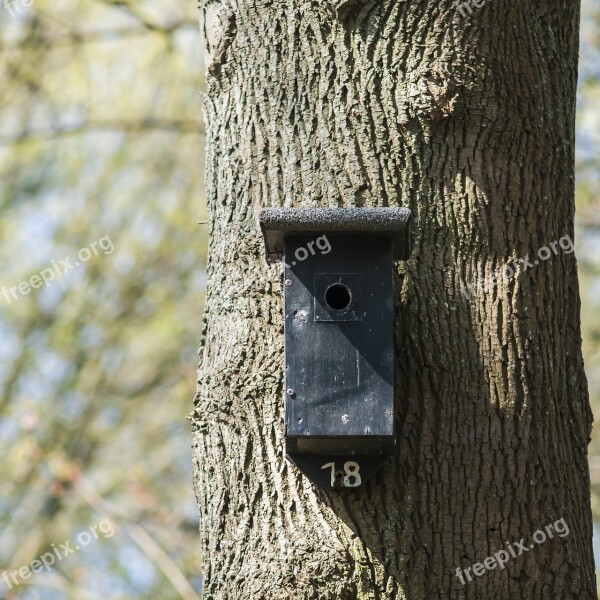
339, 343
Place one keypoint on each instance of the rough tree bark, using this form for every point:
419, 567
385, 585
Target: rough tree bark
468, 121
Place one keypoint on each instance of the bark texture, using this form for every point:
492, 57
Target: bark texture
468, 121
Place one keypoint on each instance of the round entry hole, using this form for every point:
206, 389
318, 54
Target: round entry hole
338, 296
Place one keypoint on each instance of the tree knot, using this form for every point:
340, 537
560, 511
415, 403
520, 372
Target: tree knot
431, 93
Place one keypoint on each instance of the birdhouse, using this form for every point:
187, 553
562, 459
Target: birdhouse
338, 335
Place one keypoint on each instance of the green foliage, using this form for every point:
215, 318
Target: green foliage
100, 135
588, 219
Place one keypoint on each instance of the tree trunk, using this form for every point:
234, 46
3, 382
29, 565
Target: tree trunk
469, 122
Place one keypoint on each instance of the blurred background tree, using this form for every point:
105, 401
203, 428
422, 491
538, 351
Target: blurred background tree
101, 135
588, 228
